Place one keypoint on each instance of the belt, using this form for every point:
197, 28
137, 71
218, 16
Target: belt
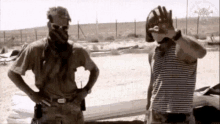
57, 100
60, 100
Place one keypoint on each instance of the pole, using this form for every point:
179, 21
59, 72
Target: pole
82, 32
198, 25
97, 27
0, 14
176, 22
78, 29
135, 27
116, 29
4, 36
35, 33
21, 35
26, 35
186, 15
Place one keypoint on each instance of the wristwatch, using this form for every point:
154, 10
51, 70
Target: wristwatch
177, 36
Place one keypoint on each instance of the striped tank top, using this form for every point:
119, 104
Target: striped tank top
174, 83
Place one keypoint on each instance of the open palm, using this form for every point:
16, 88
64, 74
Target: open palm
165, 23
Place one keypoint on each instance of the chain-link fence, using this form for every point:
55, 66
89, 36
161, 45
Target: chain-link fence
106, 31
101, 31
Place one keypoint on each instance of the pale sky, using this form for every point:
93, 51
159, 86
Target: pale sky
21, 14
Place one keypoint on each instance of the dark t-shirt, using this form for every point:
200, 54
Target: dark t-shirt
32, 59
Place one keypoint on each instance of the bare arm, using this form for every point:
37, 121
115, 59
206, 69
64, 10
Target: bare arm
24, 62
150, 87
88, 64
191, 47
149, 92
94, 73
19, 82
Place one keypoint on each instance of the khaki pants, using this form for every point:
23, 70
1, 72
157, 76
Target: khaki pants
155, 117
67, 113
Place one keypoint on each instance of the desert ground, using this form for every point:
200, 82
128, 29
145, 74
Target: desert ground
123, 77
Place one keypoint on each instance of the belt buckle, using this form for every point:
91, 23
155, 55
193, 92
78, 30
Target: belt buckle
61, 100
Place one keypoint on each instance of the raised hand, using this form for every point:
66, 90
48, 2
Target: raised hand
164, 23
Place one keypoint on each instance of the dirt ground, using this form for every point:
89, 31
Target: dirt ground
122, 78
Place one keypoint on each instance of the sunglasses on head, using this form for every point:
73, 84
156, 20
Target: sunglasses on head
55, 26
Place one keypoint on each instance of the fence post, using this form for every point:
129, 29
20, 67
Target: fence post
116, 29
186, 15
82, 32
135, 27
26, 35
21, 35
35, 33
176, 22
4, 37
198, 24
97, 28
78, 29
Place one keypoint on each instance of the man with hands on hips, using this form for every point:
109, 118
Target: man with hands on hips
54, 61
173, 65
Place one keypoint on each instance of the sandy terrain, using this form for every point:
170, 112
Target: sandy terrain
122, 78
